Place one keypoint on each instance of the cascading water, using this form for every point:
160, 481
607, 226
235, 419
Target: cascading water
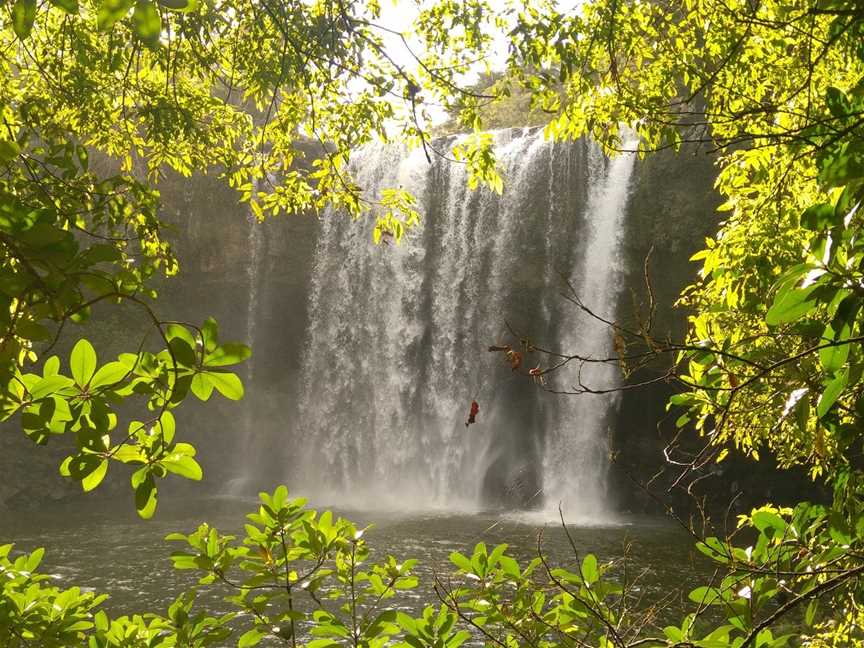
574, 442
396, 347
249, 420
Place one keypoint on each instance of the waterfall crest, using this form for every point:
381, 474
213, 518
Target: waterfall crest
396, 345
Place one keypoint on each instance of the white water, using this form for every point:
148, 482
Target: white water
249, 420
396, 345
576, 444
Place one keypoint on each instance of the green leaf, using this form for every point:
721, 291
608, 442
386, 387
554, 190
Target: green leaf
227, 354
183, 353
146, 22
763, 520
82, 362
838, 529
252, 638
210, 332
30, 330
178, 331
128, 453
461, 561
49, 385
110, 11
9, 150
839, 330
201, 386
167, 425
322, 643
174, 4
589, 569
51, 366
832, 358
790, 304
80, 466
109, 374
101, 253
509, 566
182, 465
831, 393
705, 596
23, 16
35, 558
69, 6
95, 478
818, 217
837, 102
145, 494
810, 614
228, 384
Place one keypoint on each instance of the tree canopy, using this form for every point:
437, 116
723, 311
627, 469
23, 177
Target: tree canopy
99, 99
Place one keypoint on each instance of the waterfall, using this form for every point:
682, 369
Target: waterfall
249, 419
397, 337
575, 443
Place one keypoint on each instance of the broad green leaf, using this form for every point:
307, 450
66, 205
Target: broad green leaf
181, 332
705, 596
80, 466
228, 384
201, 385
461, 561
183, 353
837, 102
50, 385
82, 362
95, 478
818, 217
69, 6
23, 16
129, 453
110, 11
9, 150
35, 559
30, 330
146, 22
834, 357
252, 638
812, 611
109, 374
167, 425
832, 392
145, 494
589, 569
227, 354
763, 520
210, 332
182, 465
791, 304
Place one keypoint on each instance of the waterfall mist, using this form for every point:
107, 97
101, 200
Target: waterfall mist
396, 344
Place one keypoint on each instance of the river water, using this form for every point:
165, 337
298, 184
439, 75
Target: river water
108, 549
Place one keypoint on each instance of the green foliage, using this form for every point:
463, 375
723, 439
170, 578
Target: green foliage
32, 612
86, 405
295, 573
